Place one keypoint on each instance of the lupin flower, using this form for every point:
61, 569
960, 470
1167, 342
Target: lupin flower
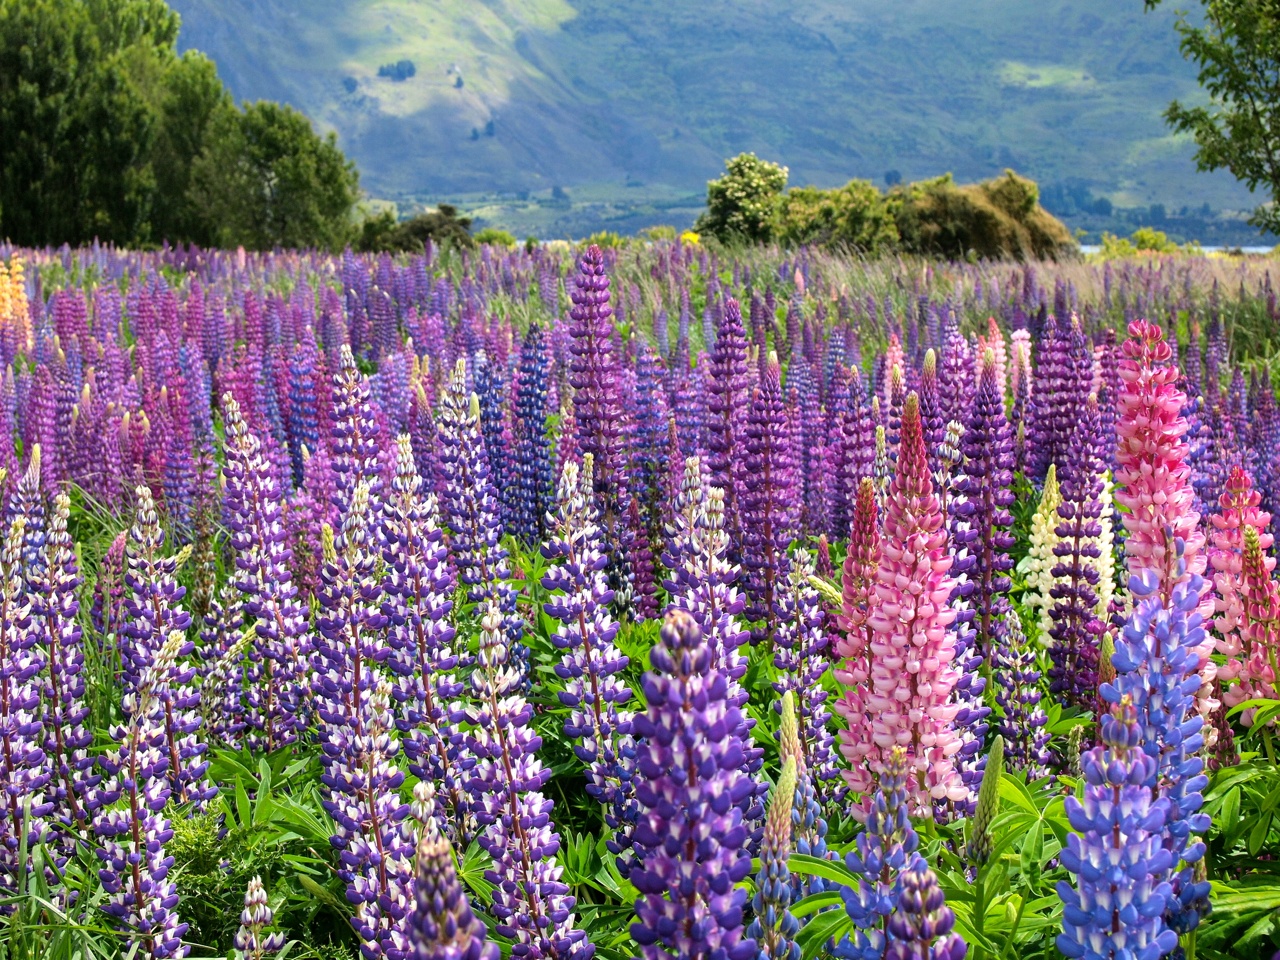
254, 511
985, 493
1023, 720
1076, 627
774, 928
531, 498
861, 565
768, 503
595, 695
1156, 660
442, 926
801, 660
360, 781
53, 612
597, 404
690, 836
978, 848
728, 405
532, 906
1040, 553
921, 928
153, 612
417, 592
355, 432
808, 826
882, 852
252, 941
1115, 908
135, 869
471, 503
912, 675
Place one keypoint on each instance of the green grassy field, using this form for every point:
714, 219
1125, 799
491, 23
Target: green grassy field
635, 104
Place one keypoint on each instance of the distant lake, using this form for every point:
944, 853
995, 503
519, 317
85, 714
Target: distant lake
1088, 248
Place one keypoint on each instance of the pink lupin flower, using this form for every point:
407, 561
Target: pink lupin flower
1240, 509
912, 675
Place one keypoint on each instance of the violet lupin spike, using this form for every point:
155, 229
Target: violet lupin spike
597, 402
153, 612
24, 765
254, 512
355, 432
533, 482
768, 504
417, 599
252, 941
728, 406
774, 928
1023, 725
690, 836
532, 906
54, 609
985, 488
471, 504
442, 926
132, 835
598, 721
801, 660
353, 702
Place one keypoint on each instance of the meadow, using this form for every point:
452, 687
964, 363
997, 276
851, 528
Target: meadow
657, 601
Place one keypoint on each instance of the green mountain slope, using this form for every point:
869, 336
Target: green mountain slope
626, 102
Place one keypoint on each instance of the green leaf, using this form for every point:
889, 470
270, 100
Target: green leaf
1032, 851
814, 935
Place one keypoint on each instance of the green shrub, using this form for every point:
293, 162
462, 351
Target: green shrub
495, 237
742, 203
854, 217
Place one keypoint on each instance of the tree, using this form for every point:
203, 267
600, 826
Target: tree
741, 204
382, 233
854, 216
1236, 46
267, 179
104, 128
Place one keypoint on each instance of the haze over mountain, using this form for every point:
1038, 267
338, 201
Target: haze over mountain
629, 100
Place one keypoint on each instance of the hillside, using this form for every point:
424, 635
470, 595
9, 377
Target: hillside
630, 107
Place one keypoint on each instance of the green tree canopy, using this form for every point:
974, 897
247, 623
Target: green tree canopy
107, 132
1236, 46
740, 205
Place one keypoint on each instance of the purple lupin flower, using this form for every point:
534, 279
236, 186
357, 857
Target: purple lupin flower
596, 697
691, 837
1116, 856
774, 927
986, 496
1063, 378
471, 503
532, 906
597, 402
801, 660
355, 432
533, 482
1157, 664
1076, 629
360, 782
442, 926
768, 503
24, 765
254, 511
224, 645
417, 599
153, 612
66, 738
728, 405
1018, 693
921, 928
252, 941
131, 827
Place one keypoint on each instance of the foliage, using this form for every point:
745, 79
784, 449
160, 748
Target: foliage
383, 233
740, 205
1144, 240
496, 237
990, 220
1235, 44
854, 217
109, 133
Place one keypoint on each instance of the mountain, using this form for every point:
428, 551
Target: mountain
625, 108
